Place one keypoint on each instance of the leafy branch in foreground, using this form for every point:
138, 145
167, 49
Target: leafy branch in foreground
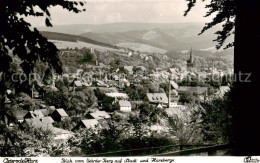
224, 11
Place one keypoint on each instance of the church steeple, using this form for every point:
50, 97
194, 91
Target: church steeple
190, 62
191, 55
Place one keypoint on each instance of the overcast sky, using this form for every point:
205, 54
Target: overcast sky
143, 11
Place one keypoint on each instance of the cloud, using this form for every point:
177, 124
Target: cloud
110, 11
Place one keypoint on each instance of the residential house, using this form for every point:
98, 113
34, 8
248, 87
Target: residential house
87, 124
122, 83
61, 134
19, 115
98, 115
157, 98
125, 106
47, 120
59, 115
117, 96
34, 114
179, 111
202, 92
39, 124
140, 70
193, 90
129, 69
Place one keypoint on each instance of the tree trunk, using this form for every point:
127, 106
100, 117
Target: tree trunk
246, 64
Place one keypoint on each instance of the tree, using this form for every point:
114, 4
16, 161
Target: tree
186, 126
216, 120
21, 43
88, 58
241, 17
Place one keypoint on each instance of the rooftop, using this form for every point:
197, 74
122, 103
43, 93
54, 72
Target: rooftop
90, 123
122, 95
62, 112
124, 103
100, 115
157, 97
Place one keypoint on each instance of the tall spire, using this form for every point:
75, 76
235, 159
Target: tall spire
191, 55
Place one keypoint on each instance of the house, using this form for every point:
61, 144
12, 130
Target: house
174, 85
101, 84
173, 94
98, 115
193, 90
87, 124
61, 134
47, 120
173, 70
130, 53
157, 98
39, 124
19, 115
117, 95
179, 111
105, 90
159, 106
115, 77
129, 69
123, 83
77, 83
79, 72
34, 114
45, 112
141, 70
125, 106
59, 115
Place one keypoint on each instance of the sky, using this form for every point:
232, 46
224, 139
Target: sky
140, 11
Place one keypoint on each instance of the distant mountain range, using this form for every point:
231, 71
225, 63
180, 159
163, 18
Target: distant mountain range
72, 38
168, 37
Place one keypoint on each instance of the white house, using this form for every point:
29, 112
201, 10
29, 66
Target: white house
125, 106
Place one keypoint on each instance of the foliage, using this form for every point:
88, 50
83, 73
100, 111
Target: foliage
114, 138
149, 85
65, 124
88, 58
25, 102
78, 100
27, 43
217, 120
186, 98
225, 13
108, 104
136, 92
21, 43
27, 141
186, 126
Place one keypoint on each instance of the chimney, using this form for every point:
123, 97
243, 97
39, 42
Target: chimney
169, 98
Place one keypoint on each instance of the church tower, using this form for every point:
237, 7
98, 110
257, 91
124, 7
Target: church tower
190, 62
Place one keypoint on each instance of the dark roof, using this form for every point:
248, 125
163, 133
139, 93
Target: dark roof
62, 112
196, 90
